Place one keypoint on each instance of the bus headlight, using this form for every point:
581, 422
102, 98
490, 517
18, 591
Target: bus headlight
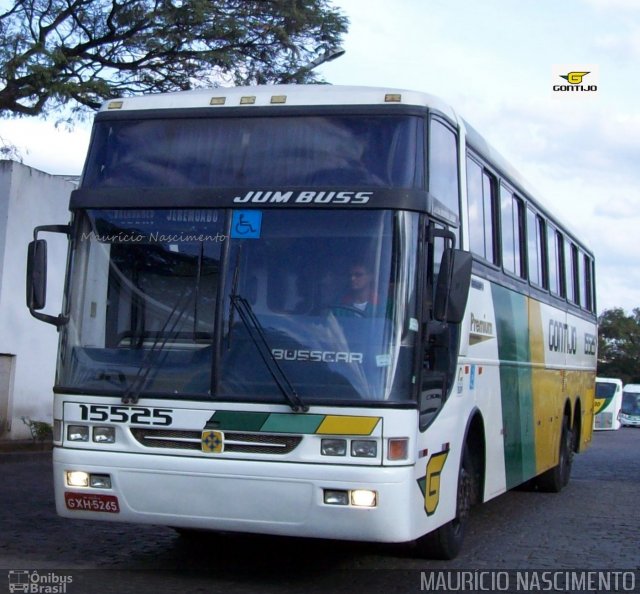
336, 497
78, 433
104, 434
363, 498
77, 478
100, 481
364, 448
333, 447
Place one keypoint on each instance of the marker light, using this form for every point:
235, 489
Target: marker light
104, 434
77, 478
333, 447
398, 448
78, 433
334, 497
364, 448
363, 498
57, 430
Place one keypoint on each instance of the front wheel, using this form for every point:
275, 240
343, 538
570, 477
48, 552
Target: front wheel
446, 542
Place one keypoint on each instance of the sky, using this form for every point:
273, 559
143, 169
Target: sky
495, 62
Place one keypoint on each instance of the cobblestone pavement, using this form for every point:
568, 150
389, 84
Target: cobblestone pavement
593, 524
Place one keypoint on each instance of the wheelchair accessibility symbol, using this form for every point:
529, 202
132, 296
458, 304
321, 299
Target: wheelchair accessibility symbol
246, 224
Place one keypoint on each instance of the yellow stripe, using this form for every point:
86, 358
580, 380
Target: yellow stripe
344, 425
545, 393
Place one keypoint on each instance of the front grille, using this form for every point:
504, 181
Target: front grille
249, 443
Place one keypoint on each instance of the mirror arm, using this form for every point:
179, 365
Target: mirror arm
66, 229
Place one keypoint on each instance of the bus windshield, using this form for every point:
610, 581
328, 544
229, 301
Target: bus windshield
630, 403
333, 294
379, 151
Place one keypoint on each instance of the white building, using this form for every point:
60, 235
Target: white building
28, 347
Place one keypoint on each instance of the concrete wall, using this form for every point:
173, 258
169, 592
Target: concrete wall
28, 198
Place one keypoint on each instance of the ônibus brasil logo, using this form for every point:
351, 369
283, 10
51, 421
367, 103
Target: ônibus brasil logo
577, 81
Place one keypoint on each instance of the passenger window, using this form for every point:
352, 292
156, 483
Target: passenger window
534, 245
555, 261
588, 283
512, 212
571, 254
443, 165
480, 195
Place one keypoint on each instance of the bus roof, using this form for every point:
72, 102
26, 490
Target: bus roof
275, 96
634, 388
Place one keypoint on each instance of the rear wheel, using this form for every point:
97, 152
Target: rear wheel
554, 479
446, 541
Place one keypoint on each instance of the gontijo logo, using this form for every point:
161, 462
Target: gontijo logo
583, 80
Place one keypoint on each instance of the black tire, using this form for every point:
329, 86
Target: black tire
446, 542
556, 478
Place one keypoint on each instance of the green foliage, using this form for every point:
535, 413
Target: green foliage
619, 345
77, 53
40, 431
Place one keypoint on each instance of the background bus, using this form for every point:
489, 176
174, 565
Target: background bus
630, 410
331, 312
607, 403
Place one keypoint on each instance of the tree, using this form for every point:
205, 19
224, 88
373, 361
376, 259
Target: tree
77, 53
619, 345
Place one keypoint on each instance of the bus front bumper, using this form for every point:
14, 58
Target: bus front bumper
240, 496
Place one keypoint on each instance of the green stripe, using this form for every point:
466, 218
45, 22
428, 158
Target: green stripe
512, 323
230, 420
285, 423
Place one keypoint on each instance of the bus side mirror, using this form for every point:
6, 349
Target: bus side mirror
37, 275
452, 288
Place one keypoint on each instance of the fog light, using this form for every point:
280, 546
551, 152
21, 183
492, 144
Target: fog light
77, 478
363, 498
333, 447
332, 497
100, 481
398, 448
78, 433
104, 434
361, 448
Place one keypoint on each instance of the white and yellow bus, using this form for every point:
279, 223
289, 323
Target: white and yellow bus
607, 404
318, 311
630, 409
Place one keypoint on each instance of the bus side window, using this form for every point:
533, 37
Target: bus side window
534, 248
481, 206
443, 165
571, 264
588, 283
512, 213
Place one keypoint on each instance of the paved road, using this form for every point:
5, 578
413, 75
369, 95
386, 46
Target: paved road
593, 524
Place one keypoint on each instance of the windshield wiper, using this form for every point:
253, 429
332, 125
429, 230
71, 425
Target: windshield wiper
257, 335
132, 393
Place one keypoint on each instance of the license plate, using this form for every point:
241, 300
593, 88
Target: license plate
92, 502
